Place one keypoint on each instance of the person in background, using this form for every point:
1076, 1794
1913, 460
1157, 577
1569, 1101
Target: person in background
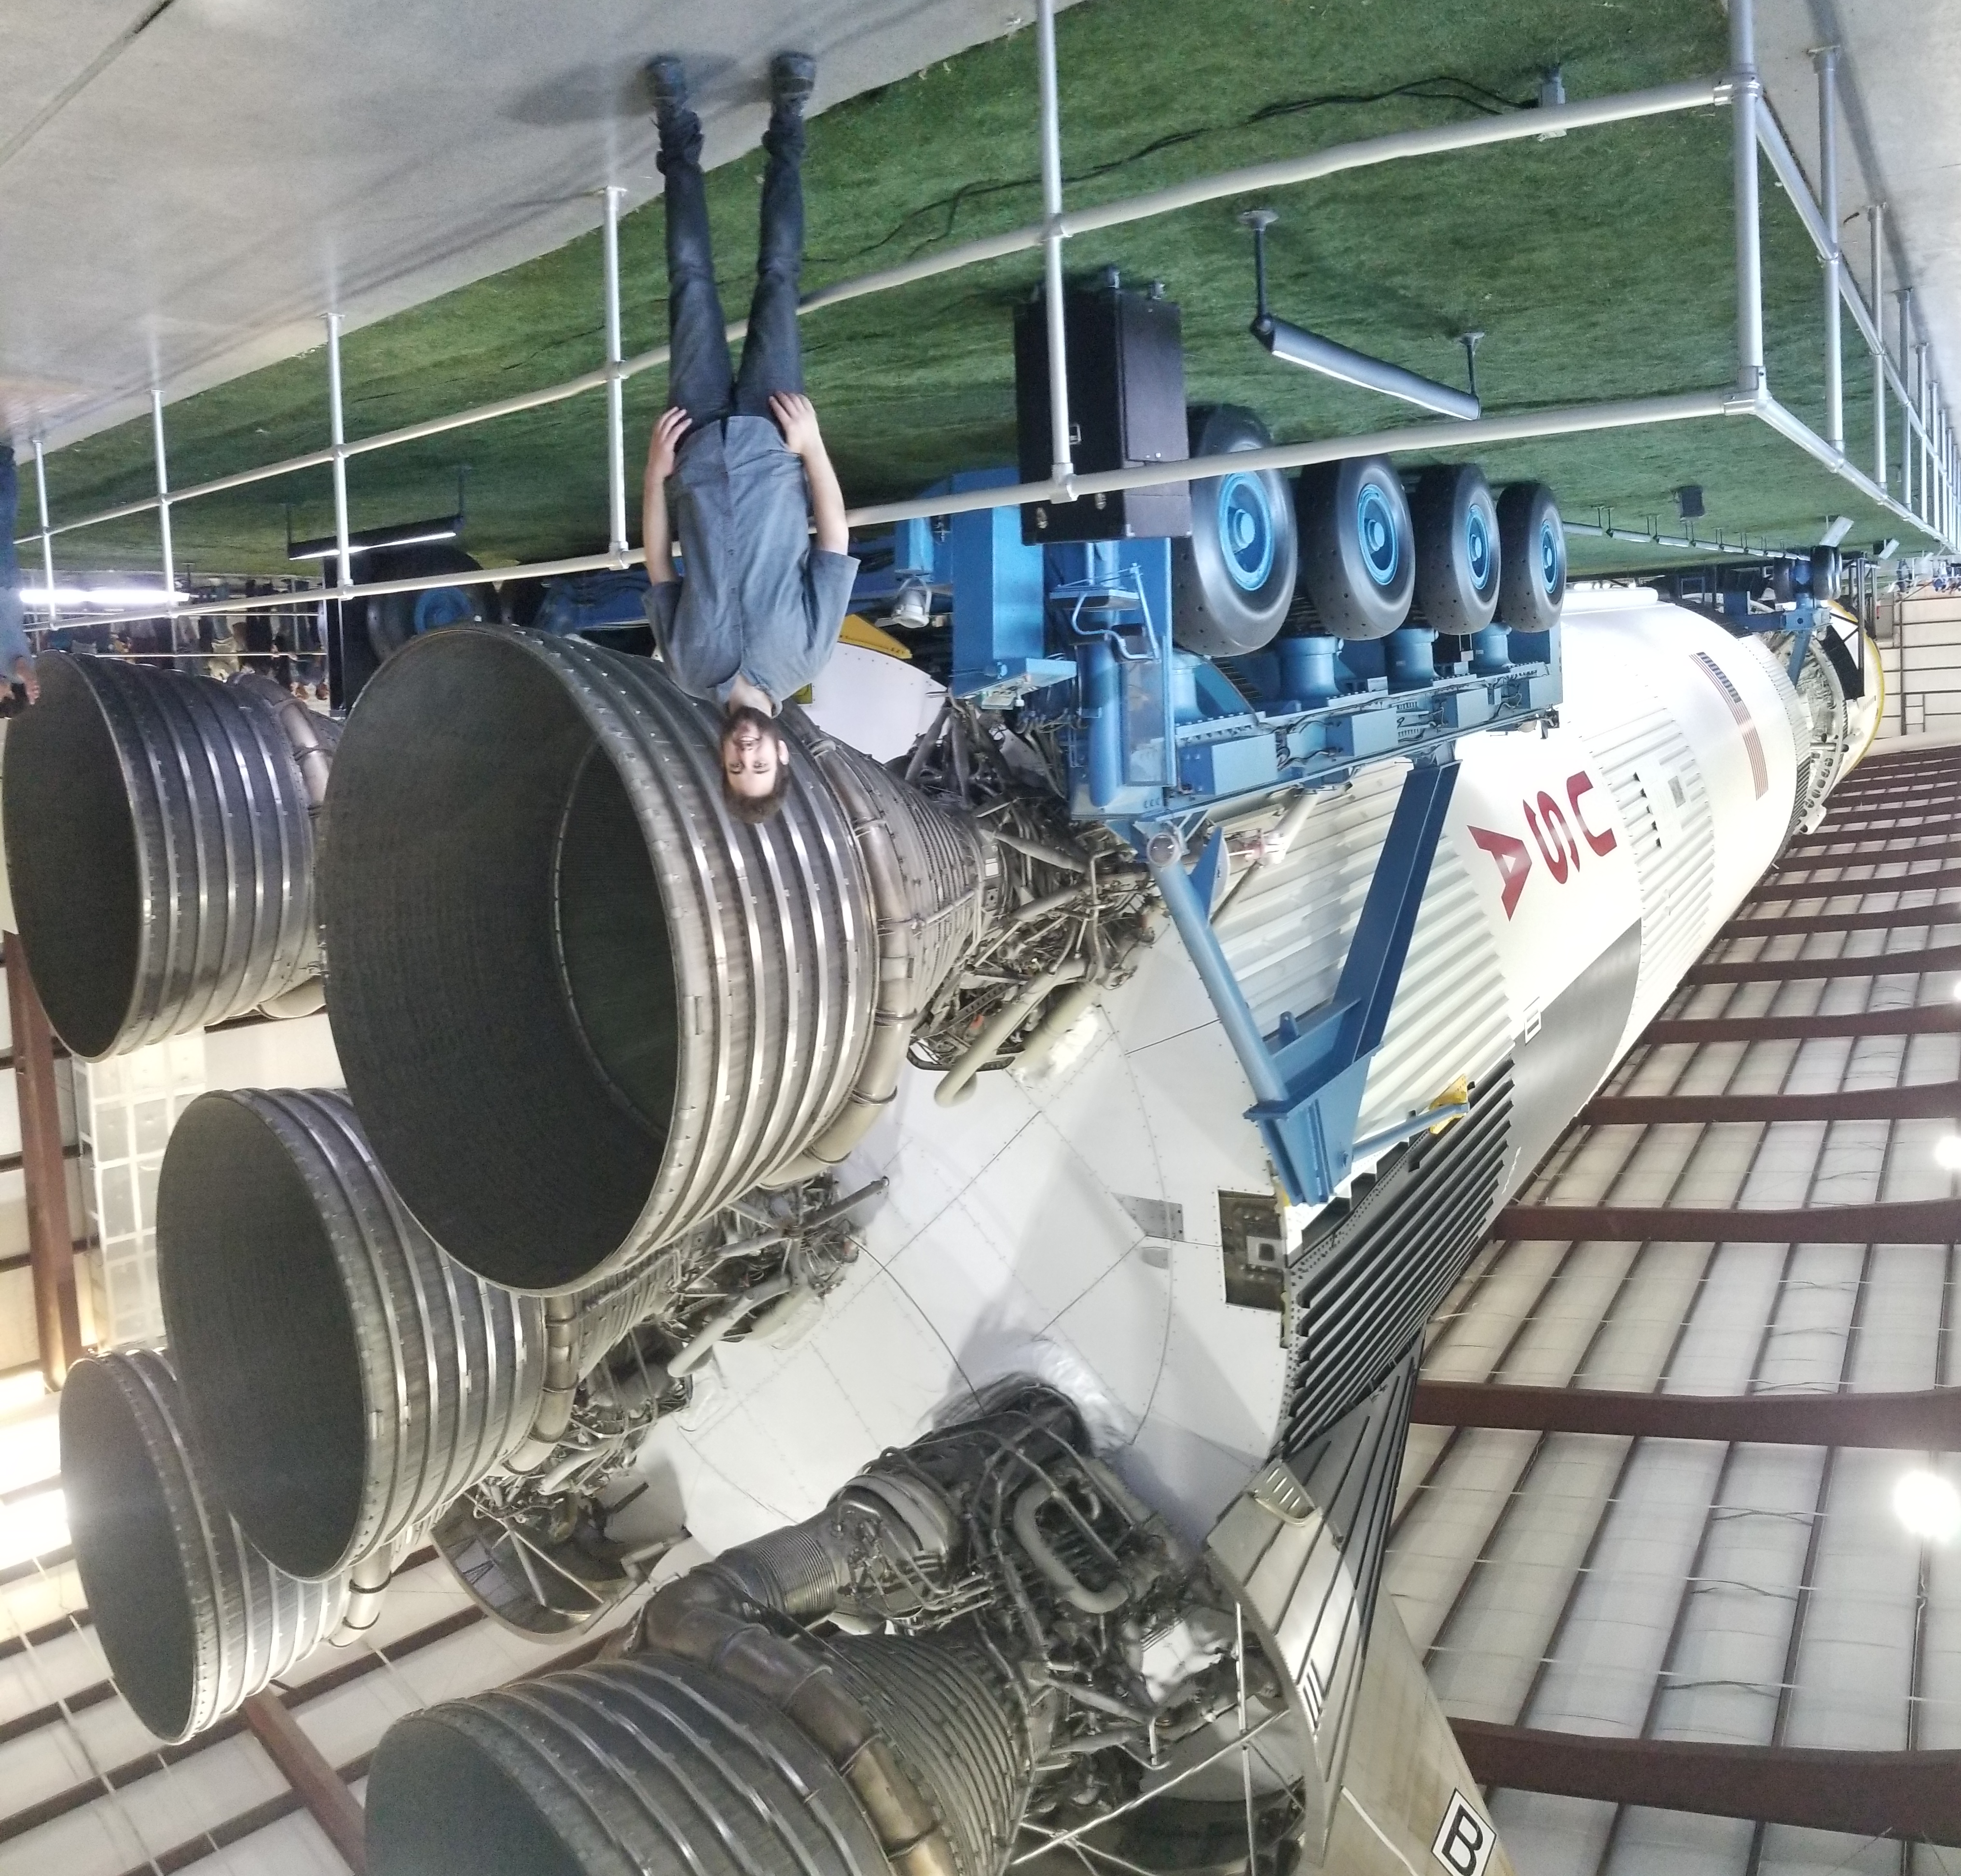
767, 576
16, 658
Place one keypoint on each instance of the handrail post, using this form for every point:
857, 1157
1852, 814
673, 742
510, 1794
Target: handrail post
1875, 222
47, 538
1906, 400
1827, 59
1061, 465
337, 435
1746, 96
616, 386
1921, 392
164, 508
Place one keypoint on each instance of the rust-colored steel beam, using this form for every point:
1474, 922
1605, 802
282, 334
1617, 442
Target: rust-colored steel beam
1843, 849
1789, 970
1898, 826
1895, 919
1920, 1101
1928, 1420
44, 1168
1897, 1221
1914, 1020
320, 1787
1839, 888
1857, 1793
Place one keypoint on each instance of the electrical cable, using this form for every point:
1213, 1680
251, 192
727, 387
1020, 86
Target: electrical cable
1443, 87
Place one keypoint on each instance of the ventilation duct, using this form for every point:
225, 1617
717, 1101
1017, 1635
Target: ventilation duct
579, 1007
161, 848
192, 1619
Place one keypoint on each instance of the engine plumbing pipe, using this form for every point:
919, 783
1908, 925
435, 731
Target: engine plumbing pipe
958, 1083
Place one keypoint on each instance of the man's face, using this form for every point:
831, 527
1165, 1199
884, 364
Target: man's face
752, 753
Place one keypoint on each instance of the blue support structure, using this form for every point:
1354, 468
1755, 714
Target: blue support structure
1309, 1075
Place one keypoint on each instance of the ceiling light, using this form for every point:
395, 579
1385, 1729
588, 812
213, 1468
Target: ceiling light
115, 596
1836, 530
1947, 1151
1928, 1506
407, 533
1887, 548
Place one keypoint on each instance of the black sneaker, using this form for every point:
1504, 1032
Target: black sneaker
792, 78
666, 80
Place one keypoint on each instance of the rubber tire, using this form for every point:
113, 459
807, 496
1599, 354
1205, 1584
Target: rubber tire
1456, 520
390, 617
518, 600
1530, 535
1213, 612
1352, 598
1826, 574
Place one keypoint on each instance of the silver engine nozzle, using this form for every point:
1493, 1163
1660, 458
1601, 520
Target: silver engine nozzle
580, 1008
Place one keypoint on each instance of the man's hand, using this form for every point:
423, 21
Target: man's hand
23, 675
665, 444
796, 416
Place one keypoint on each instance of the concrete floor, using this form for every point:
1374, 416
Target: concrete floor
186, 186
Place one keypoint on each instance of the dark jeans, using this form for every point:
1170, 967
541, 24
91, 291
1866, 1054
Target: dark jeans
10, 513
701, 379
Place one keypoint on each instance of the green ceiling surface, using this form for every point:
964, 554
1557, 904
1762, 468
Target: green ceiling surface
1598, 266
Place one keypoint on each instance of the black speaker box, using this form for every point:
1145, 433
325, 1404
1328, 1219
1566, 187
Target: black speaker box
1126, 409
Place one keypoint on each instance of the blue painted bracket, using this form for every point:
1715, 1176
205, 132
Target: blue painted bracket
1310, 1074
1806, 615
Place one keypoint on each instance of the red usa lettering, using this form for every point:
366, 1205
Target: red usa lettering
1551, 824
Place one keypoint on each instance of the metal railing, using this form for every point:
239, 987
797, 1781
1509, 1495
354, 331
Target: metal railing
1926, 465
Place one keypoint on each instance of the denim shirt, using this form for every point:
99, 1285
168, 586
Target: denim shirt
758, 598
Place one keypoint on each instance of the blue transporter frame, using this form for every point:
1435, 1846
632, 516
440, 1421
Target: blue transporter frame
1164, 746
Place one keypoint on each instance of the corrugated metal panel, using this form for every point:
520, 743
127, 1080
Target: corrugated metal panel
1287, 931
1657, 785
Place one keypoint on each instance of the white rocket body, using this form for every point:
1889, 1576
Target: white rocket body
1070, 1226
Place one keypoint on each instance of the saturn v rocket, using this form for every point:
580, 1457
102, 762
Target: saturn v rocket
872, 1196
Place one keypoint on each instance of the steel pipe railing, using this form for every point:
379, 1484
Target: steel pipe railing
616, 386
1772, 140
47, 540
337, 431
1755, 128
1315, 166
1746, 102
1061, 453
1875, 222
1835, 281
1566, 421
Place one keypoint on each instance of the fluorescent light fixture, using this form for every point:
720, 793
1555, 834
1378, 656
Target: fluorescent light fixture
117, 597
404, 534
1836, 531
1947, 1151
1888, 549
1928, 1506
1293, 344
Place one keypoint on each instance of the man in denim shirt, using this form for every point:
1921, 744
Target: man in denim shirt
17, 662
756, 501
